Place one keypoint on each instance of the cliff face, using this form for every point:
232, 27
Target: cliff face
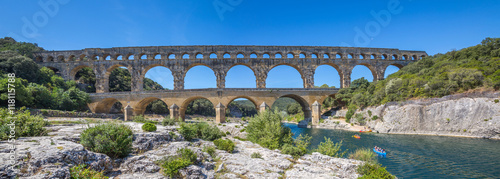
457, 115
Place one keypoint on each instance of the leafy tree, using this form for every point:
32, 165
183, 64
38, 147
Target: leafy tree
120, 80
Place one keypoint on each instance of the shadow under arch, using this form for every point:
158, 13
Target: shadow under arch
303, 103
105, 105
75, 70
140, 107
184, 106
249, 112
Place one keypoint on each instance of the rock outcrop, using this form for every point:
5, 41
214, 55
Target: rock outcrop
457, 115
52, 157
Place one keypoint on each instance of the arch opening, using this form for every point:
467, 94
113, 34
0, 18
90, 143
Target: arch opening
253, 55
265, 55
157, 56
240, 55
393, 68
154, 106
198, 107
327, 76
185, 56
131, 57
119, 79
292, 108
158, 78
284, 76
240, 76
338, 55
86, 79
199, 56
109, 105
289, 55
326, 56
200, 76
213, 55
171, 56
241, 107
302, 55
278, 55
362, 70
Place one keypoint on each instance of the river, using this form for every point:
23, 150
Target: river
420, 156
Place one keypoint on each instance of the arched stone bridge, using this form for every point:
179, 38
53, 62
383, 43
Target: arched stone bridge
179, 59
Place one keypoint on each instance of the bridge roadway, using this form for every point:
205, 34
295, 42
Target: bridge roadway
309, 98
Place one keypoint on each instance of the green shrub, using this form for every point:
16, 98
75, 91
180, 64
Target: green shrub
142, 119
350, 111
369, 113
374, 171
496, 101
256, 155
331, 149
114, 140
226, 145
360, 119
168, 121
242, 130
239, 138
363, 154
299, 146
374, 118
200, 130
82, 172
228, 133
171, 165
148, 127
210, 150
267, 130
26, 125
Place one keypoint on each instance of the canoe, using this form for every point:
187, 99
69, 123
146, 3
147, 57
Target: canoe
380, 153
357, 137
365, 131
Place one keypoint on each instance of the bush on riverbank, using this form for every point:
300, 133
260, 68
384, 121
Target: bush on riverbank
114, 140
364, 155
331, 149
299, 148
24, 124
267, 130
374, 171
200, 130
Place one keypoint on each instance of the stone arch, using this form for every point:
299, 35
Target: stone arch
157, 56
75, 70
314, 55
118, 57
171, 56
338, 55
384, 56
336, 67
186, 56
399, 66
50, 59
302, 55
141, 55
195, 65
60, 58
290, 55
140, 107
253, 55
326, 56
105, 105
199, 55
303, 103
242, 96
405, 57
38, 59
147, 68
370, 67
278, 55
266, 55
240, 55
241, 72
185, 103
107, 75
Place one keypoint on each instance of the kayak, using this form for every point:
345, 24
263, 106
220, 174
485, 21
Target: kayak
380, 153
356, 136
365, 131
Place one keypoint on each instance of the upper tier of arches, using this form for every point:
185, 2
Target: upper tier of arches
227, 52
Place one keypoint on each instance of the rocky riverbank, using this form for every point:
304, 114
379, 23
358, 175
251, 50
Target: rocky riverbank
52, 156
464, 115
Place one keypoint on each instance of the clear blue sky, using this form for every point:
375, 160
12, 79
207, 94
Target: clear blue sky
433, 26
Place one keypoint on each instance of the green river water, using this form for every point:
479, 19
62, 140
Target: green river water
420, 156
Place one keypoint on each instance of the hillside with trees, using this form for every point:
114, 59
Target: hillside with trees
472, 68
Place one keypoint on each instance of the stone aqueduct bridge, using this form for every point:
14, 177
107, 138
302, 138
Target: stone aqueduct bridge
260, 59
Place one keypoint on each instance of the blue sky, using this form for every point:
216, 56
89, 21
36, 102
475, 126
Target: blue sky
432, 26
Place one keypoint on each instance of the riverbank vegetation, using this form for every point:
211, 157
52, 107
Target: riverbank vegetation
21, 124
472, 68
